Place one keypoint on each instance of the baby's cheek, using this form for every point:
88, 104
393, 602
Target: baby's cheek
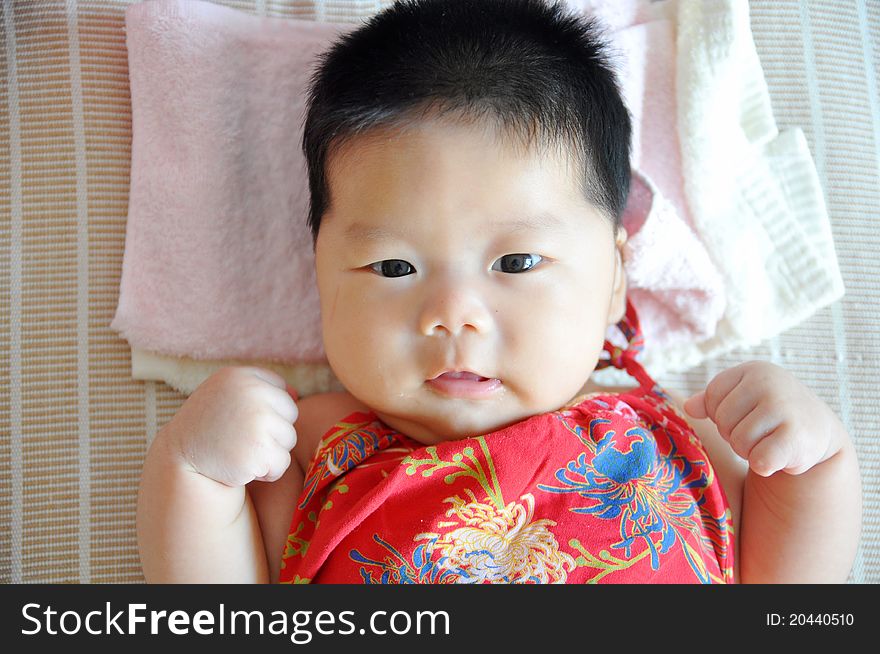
345, 338
552, 357
362, 348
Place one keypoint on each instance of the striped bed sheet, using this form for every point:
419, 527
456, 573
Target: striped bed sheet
74, 426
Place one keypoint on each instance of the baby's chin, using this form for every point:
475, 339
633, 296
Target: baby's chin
456, 423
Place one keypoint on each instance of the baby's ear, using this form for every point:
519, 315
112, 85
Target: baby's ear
617, 307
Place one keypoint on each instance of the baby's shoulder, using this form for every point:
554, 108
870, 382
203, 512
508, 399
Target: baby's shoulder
317, 414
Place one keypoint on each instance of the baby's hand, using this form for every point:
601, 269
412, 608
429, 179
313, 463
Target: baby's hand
237, 426
769, 418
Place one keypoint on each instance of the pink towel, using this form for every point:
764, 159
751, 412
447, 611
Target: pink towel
673, 283
218, 261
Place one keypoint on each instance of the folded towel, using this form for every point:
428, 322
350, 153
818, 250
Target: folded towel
218, 259
752, 193
672, 281
679, 292
218, 265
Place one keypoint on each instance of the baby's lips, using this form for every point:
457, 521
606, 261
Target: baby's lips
472, 376
461, 374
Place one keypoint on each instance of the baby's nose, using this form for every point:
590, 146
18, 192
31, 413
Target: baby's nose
453, 309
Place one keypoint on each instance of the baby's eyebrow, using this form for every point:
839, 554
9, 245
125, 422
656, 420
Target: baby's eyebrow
537, 221
362, 232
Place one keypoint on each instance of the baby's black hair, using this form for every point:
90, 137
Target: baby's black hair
534, 69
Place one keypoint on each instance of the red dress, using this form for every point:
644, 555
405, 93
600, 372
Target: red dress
619, 491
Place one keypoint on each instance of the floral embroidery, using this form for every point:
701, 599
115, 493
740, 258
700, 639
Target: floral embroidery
500, 545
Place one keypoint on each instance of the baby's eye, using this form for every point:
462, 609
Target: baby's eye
392, 268
518, 262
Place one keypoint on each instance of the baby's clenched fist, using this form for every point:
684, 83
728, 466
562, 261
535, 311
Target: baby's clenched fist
236, 427
769, 418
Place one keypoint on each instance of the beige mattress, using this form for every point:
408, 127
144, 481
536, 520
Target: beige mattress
74, 426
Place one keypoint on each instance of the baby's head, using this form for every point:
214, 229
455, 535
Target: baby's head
468, 169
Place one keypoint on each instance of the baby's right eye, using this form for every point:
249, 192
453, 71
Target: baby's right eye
393, 268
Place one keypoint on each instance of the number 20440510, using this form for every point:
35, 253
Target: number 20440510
815, 619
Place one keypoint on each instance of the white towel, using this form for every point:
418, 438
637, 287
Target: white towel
753, 192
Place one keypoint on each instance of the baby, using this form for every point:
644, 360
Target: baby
468, 167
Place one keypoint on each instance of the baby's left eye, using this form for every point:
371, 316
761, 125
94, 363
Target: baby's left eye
516, 263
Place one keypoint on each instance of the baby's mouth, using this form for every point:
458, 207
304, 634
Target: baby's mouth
464, 374
464, 384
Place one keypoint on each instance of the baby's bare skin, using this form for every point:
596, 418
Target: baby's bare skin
193, 512
452, 207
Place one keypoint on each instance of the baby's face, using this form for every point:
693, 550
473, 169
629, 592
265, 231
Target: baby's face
446, 250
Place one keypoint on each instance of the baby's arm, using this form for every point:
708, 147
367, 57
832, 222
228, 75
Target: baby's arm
803, 528
275, 503
195, 520
192, 529
801, 513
